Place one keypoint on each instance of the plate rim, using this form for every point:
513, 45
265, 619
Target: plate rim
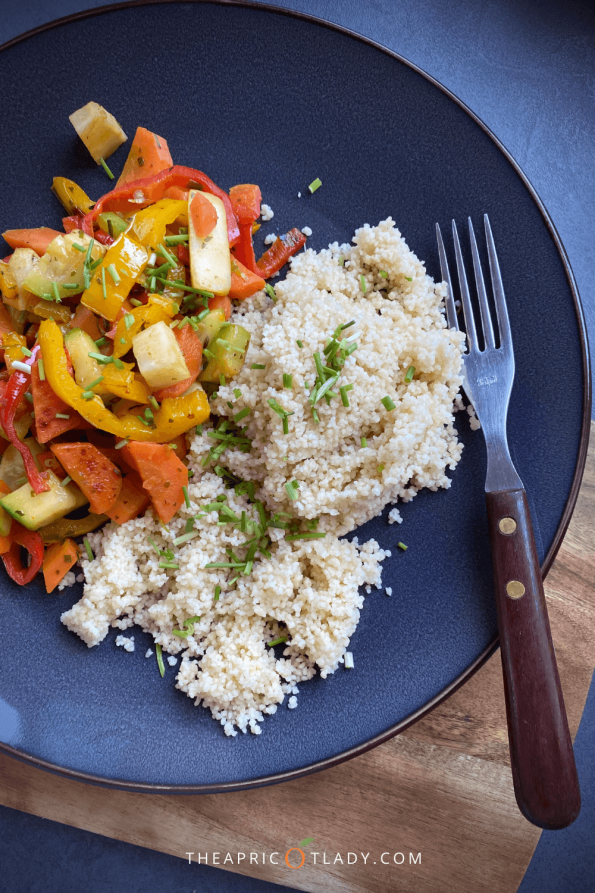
320, 765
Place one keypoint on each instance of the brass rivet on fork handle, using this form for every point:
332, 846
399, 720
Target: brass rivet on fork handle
515, 589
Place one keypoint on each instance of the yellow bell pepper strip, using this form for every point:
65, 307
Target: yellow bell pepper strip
150, 223
123, 383
105, 294
65, 527
157, 309
73, 198
176, 416
13, 344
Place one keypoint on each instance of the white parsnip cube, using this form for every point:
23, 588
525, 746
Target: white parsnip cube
160, 360
98, 129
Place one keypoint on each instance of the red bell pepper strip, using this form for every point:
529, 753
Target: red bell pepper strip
273, 259
279, 253
183, 255
102, 237
246, 200
122, 200
18, 384
77, 221
33, 543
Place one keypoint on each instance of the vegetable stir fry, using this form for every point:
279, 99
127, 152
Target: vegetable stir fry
113, 333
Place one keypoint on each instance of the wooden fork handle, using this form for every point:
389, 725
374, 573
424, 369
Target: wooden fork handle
543, 768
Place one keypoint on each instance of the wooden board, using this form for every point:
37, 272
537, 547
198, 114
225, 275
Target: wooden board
442, 789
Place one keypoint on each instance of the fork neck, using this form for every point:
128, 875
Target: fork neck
501, 473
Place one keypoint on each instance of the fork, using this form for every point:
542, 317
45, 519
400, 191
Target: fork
543, 768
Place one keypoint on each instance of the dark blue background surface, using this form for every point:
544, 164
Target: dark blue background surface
527, 69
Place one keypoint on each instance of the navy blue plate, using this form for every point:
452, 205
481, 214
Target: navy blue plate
249, 94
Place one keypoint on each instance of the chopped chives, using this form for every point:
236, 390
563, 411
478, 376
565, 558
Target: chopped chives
257, 366
192, 534
222, 381
315, 415
217, 593
66, 481
88, 549
149, 417
62, 415
120, 444
186, 497
135, 302
71, 285
344, 397
364, 442
100, 342
341, 261
409, 374
348, 660
94, 383
114, 274
182, 634
95, 264
165, 254
41, 369
291, 491
202, 314
87, 395
99, 357
56, 293
103, 286
383, 273
237, 393
299, 343
271, 292
388, 404
159, 654
153, 402
123, 341
241, 414
287, 381
78, 247
362, 282
169, 564
402, 546
175, 240
314, 185
106, 168
277, 641
409, 278
26, 352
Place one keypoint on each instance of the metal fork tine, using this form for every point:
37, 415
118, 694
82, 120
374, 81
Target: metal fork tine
497, 287
486, 317
449, 301
465, 296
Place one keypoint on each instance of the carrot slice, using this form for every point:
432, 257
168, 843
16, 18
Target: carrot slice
37, 239
149, 155
245, 200
49, 408
244, 283
203, 215
98, 478
191, 346
162, 473
58, 560
132, 501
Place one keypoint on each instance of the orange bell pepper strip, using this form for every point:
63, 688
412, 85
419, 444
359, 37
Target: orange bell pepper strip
163, 475
149, 155
92, 472
37, 239
246, 200
172, 183
59, 558
5, 544
244, 283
